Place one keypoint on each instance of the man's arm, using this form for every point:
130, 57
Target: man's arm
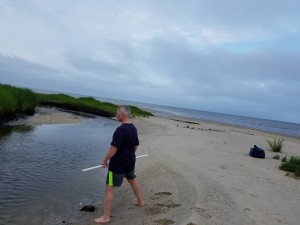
135, 148
111, 152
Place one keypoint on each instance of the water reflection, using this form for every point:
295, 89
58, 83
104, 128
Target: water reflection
8, 130
40, 171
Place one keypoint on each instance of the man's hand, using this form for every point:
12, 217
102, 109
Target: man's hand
111, 152
104, 163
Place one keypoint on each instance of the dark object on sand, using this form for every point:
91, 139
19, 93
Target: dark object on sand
257, 152
88, 208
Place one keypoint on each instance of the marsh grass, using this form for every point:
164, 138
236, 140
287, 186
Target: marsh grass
15, 101
86, 104
291, 165
275, 145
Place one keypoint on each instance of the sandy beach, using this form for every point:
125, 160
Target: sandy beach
50, 115
201, 173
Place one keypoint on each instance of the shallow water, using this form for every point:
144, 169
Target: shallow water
40, 170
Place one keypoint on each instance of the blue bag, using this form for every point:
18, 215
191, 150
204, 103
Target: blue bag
257, 152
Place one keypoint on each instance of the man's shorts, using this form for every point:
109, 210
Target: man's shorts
115, 180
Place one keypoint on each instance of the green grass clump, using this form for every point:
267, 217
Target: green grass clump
292, 165
275, 145
276, 157
14, 101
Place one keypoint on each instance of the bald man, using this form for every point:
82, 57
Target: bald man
121, 157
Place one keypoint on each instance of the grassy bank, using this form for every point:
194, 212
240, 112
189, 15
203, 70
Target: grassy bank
85, 104
17, 101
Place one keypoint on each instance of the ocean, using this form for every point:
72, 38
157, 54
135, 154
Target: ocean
272, 126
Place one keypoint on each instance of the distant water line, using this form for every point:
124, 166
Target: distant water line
277, 127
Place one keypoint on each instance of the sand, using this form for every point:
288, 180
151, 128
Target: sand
50, 115
202, 174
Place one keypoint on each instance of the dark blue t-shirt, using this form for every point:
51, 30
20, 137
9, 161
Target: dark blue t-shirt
125, 139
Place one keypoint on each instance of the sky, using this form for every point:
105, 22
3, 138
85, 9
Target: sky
235, 56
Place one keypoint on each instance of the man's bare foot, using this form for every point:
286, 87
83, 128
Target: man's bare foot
140, 204
102, 220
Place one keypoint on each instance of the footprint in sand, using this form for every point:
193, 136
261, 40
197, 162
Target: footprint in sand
162, 194
239, 190
164, 221
202, 212
223, 167
254, 196
172, 205
160, 208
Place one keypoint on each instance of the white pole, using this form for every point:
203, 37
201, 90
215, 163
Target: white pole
140, 156
101, 166
94, 167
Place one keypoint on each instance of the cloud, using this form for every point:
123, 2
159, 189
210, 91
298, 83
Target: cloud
18, 71
232, 56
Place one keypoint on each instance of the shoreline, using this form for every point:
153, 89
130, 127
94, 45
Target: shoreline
56, 115
155, 112
191, 120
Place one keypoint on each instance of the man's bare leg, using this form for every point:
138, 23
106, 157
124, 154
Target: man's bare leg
108, 199
137, 191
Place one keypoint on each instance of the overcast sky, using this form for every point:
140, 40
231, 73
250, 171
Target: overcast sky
234, 56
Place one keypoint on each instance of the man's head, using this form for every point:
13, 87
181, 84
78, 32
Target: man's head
123, 112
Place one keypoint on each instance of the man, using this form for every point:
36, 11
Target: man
121, 157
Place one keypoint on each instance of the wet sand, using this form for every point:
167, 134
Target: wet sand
201, 173
50, 115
